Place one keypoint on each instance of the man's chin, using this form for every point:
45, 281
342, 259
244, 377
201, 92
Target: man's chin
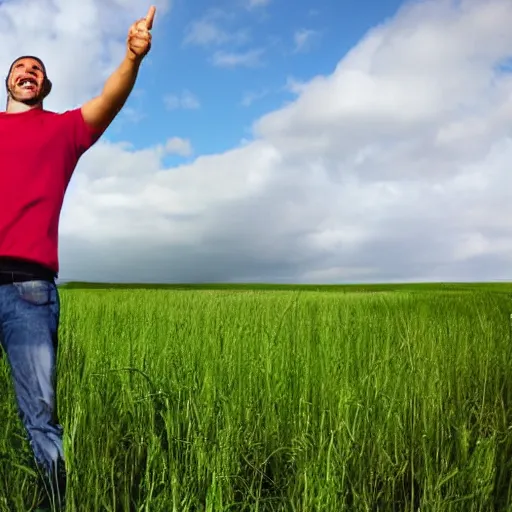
32, 101
29, 100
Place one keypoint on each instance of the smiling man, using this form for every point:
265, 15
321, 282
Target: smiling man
39, 151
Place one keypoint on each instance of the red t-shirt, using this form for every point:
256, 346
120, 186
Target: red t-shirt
39, 151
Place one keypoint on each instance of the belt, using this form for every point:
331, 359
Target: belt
18, 277
12, 271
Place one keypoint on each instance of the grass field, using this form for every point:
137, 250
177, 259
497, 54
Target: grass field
249, 398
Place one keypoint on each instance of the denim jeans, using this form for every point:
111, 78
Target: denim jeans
29, 321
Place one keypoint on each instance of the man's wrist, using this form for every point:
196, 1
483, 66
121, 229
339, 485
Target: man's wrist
133, 59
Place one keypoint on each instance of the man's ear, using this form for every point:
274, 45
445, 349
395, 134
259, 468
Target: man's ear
47, 87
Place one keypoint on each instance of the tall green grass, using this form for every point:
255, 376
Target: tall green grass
278, 401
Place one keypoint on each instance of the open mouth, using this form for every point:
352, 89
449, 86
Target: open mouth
27, 84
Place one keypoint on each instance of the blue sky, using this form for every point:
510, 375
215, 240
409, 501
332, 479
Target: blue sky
381, 151
231, 97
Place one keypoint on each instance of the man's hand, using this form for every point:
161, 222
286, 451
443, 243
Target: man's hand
139, 36
99, 112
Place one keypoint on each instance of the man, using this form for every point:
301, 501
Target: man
38, 154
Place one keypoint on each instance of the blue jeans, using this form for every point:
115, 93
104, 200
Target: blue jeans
29, 321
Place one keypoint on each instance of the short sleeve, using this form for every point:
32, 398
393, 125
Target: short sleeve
83, 136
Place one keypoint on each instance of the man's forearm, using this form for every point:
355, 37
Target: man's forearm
120, 84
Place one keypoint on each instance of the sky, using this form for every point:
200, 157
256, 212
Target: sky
326, 141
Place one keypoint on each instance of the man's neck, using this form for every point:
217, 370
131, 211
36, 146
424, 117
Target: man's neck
16, 107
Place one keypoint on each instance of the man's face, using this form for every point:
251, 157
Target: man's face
26, 81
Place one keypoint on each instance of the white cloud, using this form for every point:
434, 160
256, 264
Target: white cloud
178, 146
209, 31
185, 100
215, 29
252, 96
205, 32
295, 86
257, 3
249, 58
395, 166
302, 39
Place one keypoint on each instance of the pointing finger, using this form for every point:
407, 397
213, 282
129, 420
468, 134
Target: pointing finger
150, 16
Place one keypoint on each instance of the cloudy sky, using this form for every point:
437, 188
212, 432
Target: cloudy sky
286, 140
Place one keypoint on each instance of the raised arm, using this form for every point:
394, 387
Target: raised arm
101, 111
